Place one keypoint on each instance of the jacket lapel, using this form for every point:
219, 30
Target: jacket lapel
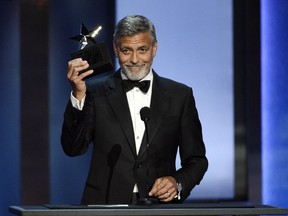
159, 105
119, 104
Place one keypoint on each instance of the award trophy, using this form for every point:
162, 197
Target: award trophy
96, 54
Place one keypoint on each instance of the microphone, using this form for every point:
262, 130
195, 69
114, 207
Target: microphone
145, 114
145, 117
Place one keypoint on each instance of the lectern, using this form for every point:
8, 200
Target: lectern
152, 210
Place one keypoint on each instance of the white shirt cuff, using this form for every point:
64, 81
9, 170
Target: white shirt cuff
76, 103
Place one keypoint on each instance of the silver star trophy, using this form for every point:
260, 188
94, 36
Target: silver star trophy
96, 54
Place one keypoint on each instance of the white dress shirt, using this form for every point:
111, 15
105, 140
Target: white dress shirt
137, 100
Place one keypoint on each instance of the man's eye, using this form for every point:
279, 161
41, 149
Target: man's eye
125, 51
143, 50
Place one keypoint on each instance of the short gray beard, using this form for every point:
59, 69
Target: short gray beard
136, 76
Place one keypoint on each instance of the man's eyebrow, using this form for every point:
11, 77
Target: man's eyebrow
144, 46
124, 47
127, 47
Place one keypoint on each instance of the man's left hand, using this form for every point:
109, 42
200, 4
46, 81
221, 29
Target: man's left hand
164, 188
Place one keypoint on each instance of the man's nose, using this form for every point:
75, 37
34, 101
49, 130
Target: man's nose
134, 58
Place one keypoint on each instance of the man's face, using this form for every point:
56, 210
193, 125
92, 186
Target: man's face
135, 54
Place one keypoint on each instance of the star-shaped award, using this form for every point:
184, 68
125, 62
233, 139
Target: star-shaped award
86, 37
96, 54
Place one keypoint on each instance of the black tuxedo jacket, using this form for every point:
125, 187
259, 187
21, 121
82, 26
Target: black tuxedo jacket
106, 122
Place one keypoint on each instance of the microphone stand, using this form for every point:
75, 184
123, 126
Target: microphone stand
147, 200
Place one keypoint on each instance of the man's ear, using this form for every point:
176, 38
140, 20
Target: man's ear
115, 50
155, 46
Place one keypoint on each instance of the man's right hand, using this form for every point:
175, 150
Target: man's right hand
76, 80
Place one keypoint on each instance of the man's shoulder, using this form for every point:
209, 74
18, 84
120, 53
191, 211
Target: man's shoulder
170, 83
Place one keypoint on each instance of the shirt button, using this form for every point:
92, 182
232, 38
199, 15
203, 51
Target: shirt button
137, 137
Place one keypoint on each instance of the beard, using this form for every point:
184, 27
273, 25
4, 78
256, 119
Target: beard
135, 75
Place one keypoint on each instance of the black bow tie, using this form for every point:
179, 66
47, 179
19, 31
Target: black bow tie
129, 84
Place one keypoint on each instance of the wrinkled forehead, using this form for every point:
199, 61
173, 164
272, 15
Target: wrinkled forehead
138, 38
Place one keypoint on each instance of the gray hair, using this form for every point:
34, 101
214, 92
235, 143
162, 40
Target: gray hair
131, 25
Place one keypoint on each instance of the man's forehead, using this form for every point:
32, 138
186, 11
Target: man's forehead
136, 39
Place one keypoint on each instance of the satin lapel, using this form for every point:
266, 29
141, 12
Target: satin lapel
119, 104
158, 108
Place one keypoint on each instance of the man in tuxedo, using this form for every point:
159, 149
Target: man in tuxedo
106, 113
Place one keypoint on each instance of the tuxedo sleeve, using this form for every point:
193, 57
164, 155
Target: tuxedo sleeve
191, 149
77, 128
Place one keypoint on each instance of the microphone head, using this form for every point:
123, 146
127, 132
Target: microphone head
145, 114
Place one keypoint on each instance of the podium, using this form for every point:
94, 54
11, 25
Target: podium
141, 210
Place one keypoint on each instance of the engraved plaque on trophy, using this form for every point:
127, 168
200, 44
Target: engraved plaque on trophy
96, 54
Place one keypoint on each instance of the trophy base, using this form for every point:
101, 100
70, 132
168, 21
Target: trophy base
97, 56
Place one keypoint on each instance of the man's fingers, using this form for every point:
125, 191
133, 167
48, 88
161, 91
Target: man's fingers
85, 74
164, 188
166, 191
75, 66
156, 187
168, 196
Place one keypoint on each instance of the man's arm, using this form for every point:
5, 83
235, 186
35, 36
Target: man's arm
77, 130
192, 153
192, 150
